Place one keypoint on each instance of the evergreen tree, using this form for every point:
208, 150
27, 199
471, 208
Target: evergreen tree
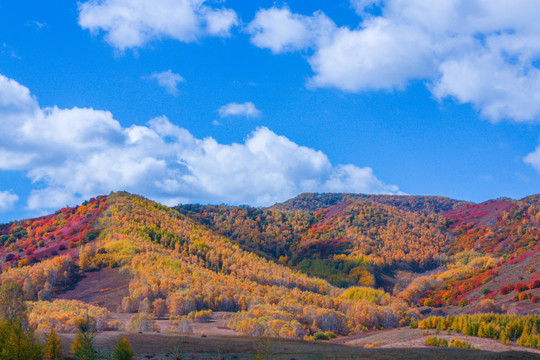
83, 347
17, 340
122, 351
52, 346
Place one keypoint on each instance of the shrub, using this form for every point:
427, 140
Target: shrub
534, 284
142, 323
485, 291
372, 345
200, 316
463, 302
535, 299
319, 336
507, 289
523, 296
122, 351
462, 344
330, 334
520, 287
180, 325
487, 306
435, 341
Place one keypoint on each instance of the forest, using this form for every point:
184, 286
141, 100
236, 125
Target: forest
316, 267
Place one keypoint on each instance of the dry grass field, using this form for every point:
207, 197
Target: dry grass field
161, 347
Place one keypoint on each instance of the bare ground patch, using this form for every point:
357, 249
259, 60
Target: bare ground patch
105, 287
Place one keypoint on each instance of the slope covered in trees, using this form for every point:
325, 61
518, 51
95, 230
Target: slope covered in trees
348, 243
420, 204
317, 263
351, 239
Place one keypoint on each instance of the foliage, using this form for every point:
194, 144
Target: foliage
52, 348
142, 322
309, 265
83, 347
435, 341
122, 351
453, 343
345, 243
173, 258
180, 325
33, 240
524, 329
318, 336
200, 316
65, 316
17, 340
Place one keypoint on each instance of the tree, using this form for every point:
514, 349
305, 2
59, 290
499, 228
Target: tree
52, 346
122, 351
83, 347
17, 340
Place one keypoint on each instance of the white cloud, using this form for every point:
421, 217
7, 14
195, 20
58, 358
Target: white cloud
168, 80
74, 154
361, 5
280, 30
7, 200
134, 23
480, 52
533, 159
380, 57
246, 109
220, 22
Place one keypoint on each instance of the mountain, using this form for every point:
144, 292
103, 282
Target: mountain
319, 262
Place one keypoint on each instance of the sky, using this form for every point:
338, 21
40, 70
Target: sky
255, 102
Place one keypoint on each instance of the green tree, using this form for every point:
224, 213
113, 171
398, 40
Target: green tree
83, 347
122, 351
52, 346
17, 340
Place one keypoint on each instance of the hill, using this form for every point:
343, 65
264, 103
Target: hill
391, 241
335, 263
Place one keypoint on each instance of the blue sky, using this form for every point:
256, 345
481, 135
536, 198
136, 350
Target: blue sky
255, 102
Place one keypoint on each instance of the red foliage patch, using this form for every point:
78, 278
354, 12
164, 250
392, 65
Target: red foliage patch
487, 213
521, 287
35, 239
507, 289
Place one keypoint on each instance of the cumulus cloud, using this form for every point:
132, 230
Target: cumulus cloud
533, 159
134, 23
280, 30
168, 80
246, 109
7, 200
480, 52
74, 154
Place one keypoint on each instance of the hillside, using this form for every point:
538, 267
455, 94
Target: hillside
390, 241
336, 263
349, 243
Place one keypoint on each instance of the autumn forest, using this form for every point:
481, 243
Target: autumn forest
315, 268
